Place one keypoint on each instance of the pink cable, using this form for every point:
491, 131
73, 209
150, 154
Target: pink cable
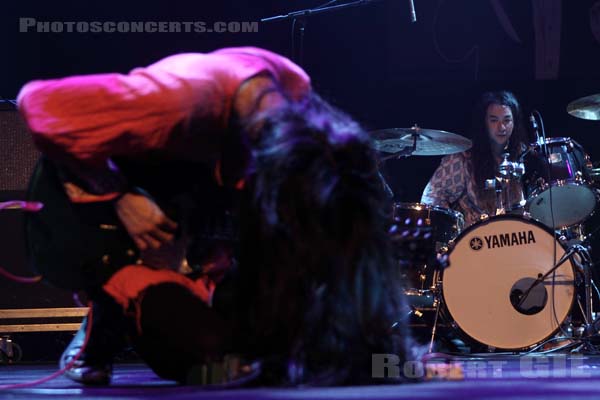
20, 279
27, 206
66, 367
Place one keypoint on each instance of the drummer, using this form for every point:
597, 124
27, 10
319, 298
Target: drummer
459, 181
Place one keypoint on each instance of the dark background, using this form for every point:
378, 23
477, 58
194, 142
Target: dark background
371, 61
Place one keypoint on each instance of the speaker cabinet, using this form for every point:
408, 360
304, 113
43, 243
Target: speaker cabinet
17, 160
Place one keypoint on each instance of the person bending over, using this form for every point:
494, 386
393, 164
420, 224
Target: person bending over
281, 255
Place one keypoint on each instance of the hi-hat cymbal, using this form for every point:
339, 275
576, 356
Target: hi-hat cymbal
429, 142
586, 107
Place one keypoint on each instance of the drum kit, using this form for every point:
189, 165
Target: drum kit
515, 282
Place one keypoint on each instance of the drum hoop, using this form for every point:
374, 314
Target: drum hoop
562, 139
536, 193
486, 221
423, 206
554, 140
530, 220
561, 182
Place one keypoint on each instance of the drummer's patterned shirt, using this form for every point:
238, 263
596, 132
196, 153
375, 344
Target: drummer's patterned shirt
453, 186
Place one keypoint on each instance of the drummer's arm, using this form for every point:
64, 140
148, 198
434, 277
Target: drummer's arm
447, 184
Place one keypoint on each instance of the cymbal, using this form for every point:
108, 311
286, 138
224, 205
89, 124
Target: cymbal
586, 107
429, 142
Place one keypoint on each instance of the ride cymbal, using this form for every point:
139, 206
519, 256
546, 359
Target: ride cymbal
426, 142
586, 107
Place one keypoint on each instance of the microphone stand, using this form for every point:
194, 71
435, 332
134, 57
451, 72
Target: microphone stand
591, 325
540, 279
302, 15
312, 11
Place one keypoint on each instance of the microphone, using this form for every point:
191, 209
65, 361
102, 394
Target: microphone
540, 140
534, 127
413, 13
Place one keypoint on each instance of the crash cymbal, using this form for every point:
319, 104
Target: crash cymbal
586, 107
429, 142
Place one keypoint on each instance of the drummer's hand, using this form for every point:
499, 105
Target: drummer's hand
145, 222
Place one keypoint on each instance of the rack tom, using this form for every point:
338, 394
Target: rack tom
558, 183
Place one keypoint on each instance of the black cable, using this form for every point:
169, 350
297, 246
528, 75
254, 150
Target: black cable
293, 38
294, 29
542, 278
572, 342
546, 155
548, 165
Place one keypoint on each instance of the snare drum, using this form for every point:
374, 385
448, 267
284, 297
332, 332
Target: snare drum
563, 179
492, 264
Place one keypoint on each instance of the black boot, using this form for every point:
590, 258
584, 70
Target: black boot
107, 338
85, 370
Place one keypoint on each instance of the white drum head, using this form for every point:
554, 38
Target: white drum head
498, 258
571, 204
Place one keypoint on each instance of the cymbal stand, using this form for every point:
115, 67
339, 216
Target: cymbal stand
508, 171
579, 254
583, 263
406, 151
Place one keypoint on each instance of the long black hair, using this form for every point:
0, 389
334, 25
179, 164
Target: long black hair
319, 285
484, 165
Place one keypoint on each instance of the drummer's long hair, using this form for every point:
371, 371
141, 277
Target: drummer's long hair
320, 290
484, 165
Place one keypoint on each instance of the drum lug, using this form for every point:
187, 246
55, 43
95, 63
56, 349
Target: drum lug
541, 183
589, 165
562, 239
416, 312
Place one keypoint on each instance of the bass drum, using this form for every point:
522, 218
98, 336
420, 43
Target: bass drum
488, 288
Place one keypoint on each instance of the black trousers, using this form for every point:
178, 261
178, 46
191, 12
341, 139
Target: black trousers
175, 331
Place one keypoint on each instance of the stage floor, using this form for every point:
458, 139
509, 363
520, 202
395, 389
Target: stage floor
563, 376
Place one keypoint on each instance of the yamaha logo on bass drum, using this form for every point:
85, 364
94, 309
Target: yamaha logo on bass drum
502, 240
